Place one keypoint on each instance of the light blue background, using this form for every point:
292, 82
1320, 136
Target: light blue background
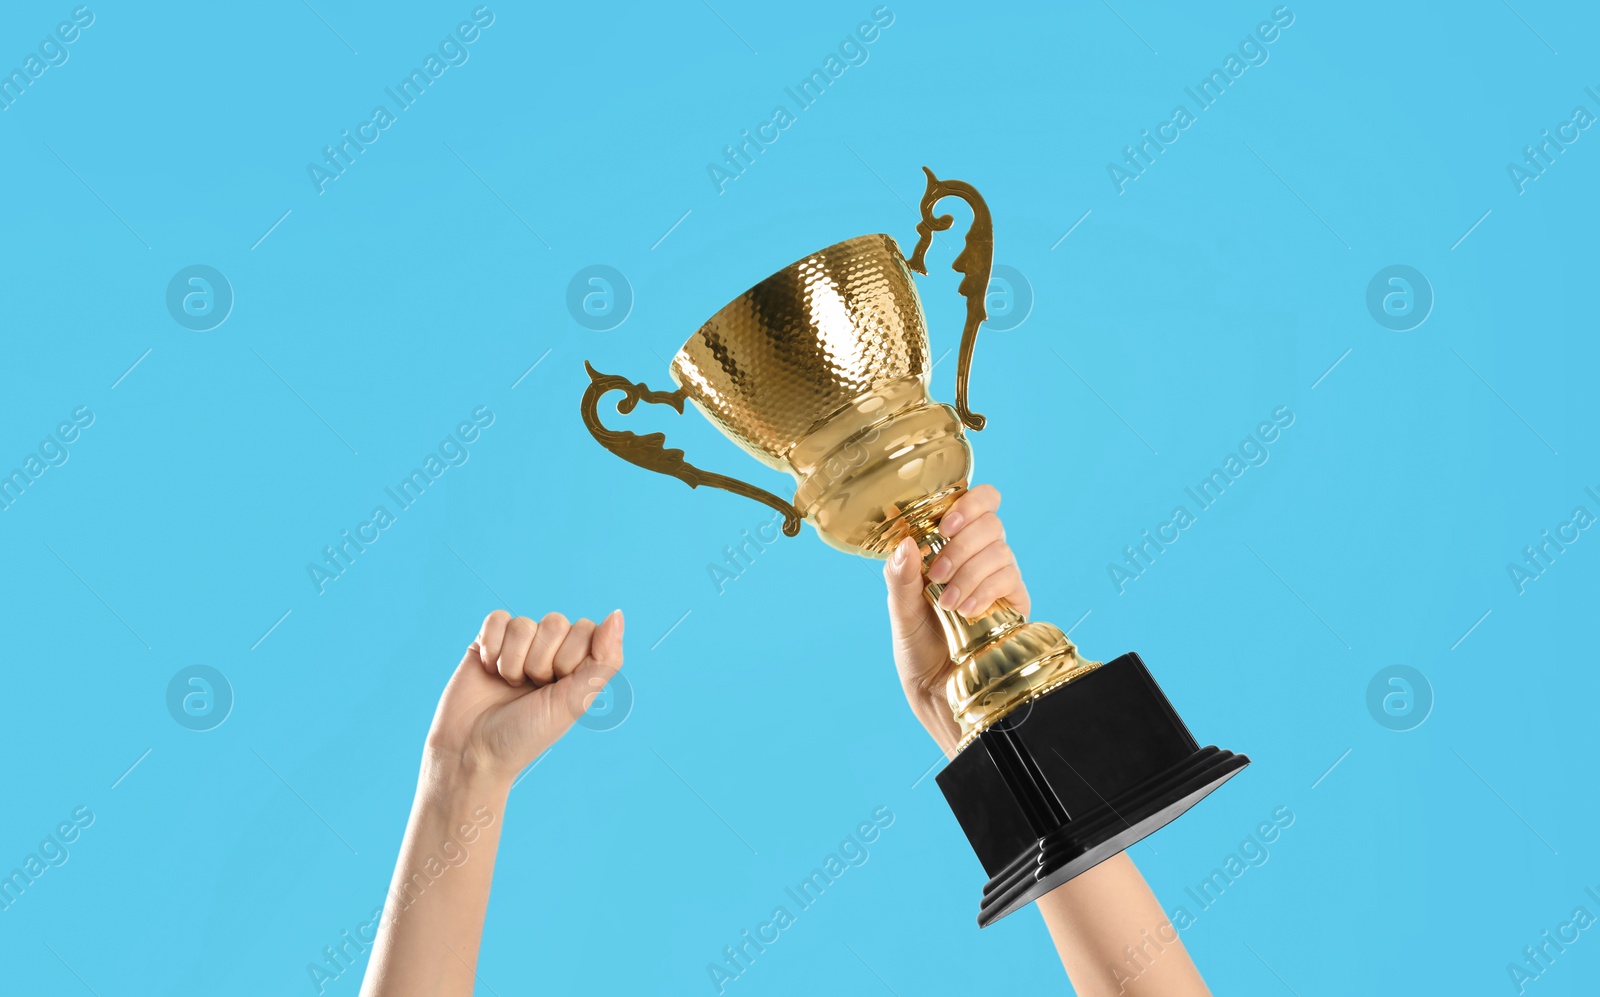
1224, 282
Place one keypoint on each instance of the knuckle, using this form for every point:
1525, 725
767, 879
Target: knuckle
520, 628
981, 556
575, 646
554, 620
972, 539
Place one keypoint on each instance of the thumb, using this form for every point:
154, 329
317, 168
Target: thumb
605, 645
599, 665
908, 609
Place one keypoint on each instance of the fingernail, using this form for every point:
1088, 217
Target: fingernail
947, 598
941, 570
951, 522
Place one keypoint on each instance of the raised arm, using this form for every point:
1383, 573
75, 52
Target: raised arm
518, 688
1097, 918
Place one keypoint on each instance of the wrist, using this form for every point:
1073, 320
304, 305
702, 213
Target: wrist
458, 778
934, 715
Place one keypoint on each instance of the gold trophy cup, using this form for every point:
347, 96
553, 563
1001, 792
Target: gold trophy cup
822, 370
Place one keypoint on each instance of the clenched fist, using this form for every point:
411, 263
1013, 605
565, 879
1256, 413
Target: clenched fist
977, 569
519, 687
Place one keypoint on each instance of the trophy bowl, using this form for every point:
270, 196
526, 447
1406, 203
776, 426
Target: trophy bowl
822, 370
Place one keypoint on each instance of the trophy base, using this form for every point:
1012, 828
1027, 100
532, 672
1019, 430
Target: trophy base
1071, 779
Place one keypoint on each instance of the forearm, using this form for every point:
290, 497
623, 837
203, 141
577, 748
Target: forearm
428, 943
1114, 938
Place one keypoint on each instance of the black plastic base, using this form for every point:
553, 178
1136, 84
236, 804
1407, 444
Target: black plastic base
1060, 786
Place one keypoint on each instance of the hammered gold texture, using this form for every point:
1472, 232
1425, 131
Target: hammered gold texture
781, 358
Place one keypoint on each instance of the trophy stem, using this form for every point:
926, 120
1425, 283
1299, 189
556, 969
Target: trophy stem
1002, 662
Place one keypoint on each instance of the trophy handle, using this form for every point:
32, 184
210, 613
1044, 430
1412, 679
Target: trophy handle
649, 451
974, 263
